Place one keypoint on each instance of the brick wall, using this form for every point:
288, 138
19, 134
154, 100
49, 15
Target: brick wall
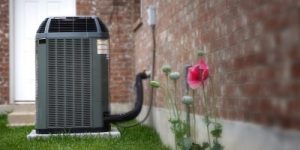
4, 56
252, 49
119, 16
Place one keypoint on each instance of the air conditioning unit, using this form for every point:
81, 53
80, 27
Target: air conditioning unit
73, 77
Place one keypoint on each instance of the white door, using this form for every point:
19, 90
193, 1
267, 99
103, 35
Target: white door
28, 14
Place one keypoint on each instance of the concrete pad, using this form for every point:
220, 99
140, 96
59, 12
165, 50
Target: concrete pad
21, 118
22, 114
24, 107
4, 109
114, 133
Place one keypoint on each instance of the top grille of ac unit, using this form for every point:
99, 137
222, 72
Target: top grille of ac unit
72, 25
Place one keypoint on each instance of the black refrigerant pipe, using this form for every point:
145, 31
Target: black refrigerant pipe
139, 95
138, 103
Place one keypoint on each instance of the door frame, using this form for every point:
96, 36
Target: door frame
12, 56
12, 53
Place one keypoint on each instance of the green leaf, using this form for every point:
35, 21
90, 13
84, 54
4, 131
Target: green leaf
205, 145
218, 125
217, 146
196, 147
178, 127
216, 133
173, 120
187, 143
217, 130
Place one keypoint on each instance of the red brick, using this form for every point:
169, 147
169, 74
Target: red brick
294, 53
290, 122
294, 106
295, 70
4, 53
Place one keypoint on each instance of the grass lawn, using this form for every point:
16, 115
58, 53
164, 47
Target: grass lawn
136, 138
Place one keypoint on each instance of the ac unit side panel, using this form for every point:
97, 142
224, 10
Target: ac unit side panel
96, 91
105, 82
100, 85
41, 98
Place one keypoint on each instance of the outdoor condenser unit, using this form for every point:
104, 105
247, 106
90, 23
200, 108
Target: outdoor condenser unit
72, 77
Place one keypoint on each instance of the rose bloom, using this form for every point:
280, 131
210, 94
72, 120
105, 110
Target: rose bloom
197, 74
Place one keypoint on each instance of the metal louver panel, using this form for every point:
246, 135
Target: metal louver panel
73, 25
69, 83
42, 26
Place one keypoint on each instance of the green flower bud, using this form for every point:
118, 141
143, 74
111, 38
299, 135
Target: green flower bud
166, 69
201, 53
154, 84
174, 75
187, 100
173, 120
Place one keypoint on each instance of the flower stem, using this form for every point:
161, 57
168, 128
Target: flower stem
188, 122
175, 99
208, 134
214, 103
169, 97
194, 113
207, 114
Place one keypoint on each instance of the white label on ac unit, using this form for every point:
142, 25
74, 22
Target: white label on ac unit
102, 46
101, 51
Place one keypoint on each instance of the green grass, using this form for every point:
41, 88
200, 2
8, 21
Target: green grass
136, 138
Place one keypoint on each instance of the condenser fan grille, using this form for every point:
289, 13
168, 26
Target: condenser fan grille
69, 83
73, 25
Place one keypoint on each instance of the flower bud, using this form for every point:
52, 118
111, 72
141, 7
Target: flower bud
201, 53
174, 75
187, 100
154, 84
166, 69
